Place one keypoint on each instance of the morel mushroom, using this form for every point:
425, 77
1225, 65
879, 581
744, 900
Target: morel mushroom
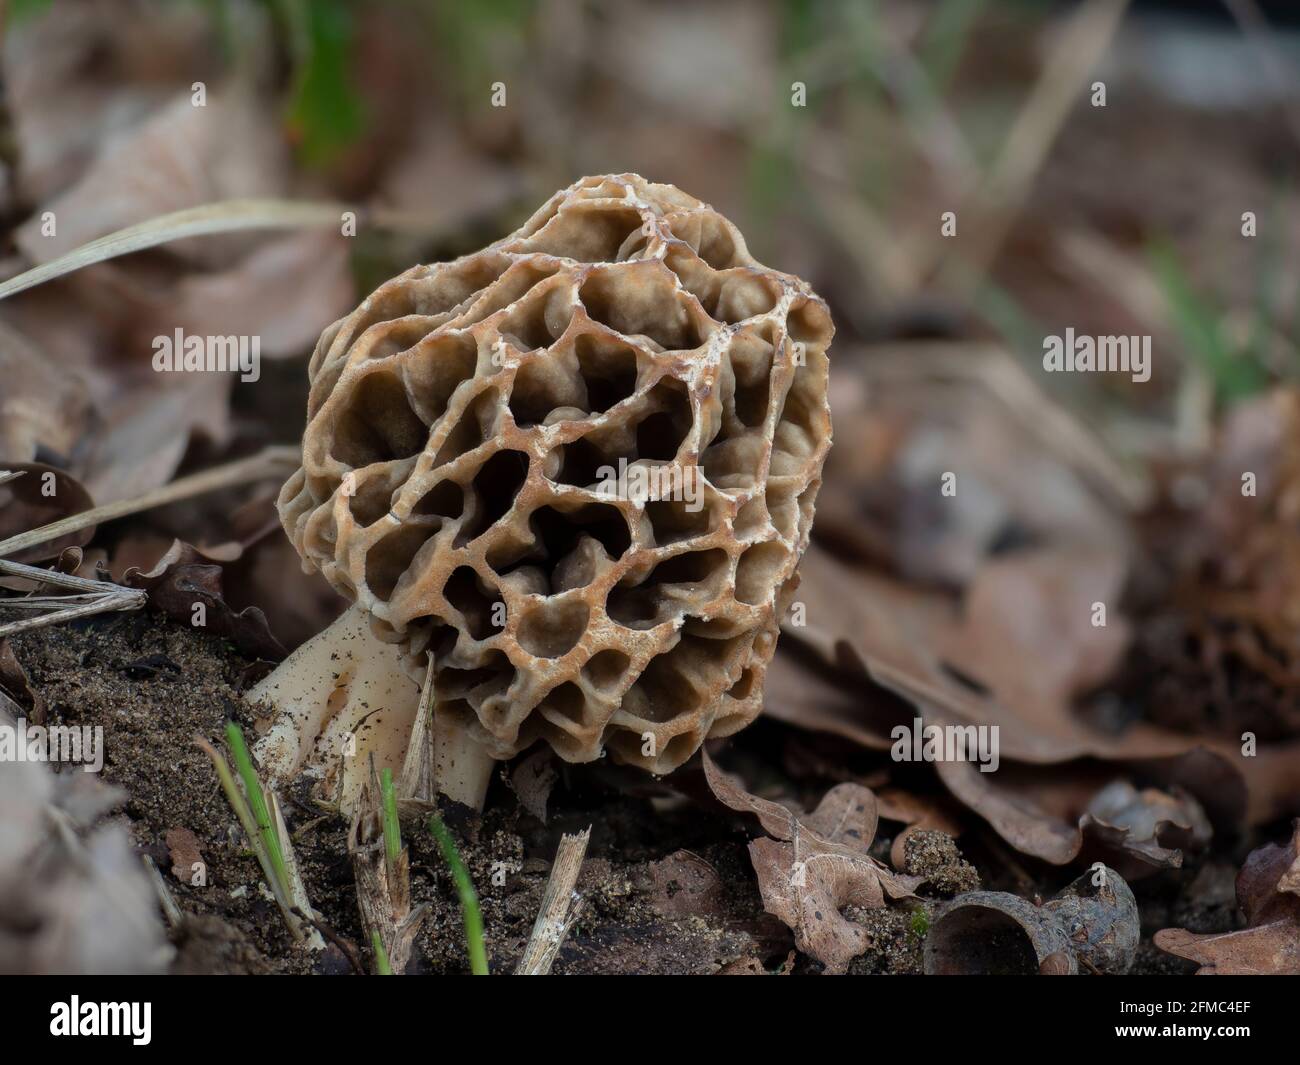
577, 469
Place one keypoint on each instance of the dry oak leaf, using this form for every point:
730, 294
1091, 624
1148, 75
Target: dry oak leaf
686, 885
42, 495
277, 288
817, 865
1150, 827
1270, 945
909, 414
77, 76
15, 683
532, 779
871, 633
42, 405
752, 966
142, 434
184, 578
1056, 814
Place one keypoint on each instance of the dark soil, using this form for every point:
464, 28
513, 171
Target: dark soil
668, 885
651, 906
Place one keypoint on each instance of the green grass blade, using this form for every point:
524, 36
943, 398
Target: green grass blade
1198, 327
249, 825
326, 112
392, 826
382, 966
946, 36
468, 896
257, 803
233, 795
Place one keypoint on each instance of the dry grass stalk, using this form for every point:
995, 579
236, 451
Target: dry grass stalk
561, 906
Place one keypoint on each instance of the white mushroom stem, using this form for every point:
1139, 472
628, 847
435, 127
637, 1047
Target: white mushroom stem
462, 766
343, 697
444, 754
339, 698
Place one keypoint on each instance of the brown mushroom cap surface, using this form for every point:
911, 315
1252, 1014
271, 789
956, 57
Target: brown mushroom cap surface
464, 423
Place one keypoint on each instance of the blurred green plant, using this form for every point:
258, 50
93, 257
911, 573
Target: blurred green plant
1198, 324
325, 111
467, 37
944, 38
1268, 318
17, 10
1019, 329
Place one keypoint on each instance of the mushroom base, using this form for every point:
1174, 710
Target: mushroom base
343, 698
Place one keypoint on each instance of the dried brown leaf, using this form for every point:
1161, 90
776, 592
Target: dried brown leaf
184, 578
15, 683
1151, 826
1270, 945
177, 157
532, 780
686, 885
43, 494
1267, 950
817, 865
808, 894
42, 405
966, 666
144, 435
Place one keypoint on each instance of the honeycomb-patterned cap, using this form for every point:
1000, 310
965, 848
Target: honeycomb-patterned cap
579, 467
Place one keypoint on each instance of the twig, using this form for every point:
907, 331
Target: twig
170, 910
106, 605
91, 597
348, 948
272, 461
382, 867
561, 905
417, 767
57, 578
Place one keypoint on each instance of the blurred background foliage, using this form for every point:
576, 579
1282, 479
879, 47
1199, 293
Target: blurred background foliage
1122, 219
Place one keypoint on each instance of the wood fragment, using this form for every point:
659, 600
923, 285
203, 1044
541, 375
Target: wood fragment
90, 597
169, 908
561, 907
416, 782
383, 888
